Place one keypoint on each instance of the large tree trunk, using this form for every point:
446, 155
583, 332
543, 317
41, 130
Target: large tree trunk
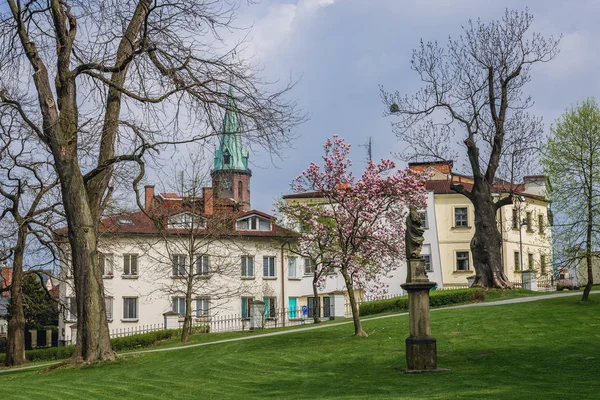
588, 241
15, 340
486, 244
93, 340
317, 303
358, 330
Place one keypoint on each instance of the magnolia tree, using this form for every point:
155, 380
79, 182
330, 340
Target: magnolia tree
358, 226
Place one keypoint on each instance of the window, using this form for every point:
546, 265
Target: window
240, 190
292, 267
105, 264
203, 265
108, 305
130, 264
311, 303
179, 264
517, 261
460, 217
179, 305
130, 308
530, 261
71, 309
528, 219
247, 266
462, 260
427, 259
515, 218
543, 263
541, 223
270, 307
186, 221
226, 157
309, 266
253, 223
423, 215
269, 267
202, 307
246, 302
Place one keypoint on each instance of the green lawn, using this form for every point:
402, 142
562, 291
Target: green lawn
548, 349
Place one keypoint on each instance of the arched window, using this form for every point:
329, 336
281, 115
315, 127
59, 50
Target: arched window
240, 190
226, 157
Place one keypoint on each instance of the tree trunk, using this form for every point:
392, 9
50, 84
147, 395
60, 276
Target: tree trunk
358, 330
317, 304
15, 340
588, 240
93, 340
187, 322
486, 244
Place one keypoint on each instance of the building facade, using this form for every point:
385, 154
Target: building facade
525, 225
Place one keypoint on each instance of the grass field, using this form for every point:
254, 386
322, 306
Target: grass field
548, 349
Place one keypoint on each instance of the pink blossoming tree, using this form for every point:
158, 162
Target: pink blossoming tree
357, 226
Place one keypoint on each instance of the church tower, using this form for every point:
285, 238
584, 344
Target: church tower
230, 174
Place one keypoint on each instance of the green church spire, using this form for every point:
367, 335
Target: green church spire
231, 155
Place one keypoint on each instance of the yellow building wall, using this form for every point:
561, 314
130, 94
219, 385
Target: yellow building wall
454, 239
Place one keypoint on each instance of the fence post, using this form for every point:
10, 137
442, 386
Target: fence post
337, 305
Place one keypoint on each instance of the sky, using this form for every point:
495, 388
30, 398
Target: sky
342, 50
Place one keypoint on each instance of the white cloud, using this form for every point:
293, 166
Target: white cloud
273, 31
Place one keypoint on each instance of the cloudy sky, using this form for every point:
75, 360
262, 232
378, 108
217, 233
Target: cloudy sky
342, 50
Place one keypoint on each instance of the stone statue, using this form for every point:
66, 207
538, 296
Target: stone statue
414, 235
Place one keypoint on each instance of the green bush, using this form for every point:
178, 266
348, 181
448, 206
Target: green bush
119, 344
437, 298
143, 340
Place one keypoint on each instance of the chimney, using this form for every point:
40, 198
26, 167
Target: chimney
207, 196
148, 196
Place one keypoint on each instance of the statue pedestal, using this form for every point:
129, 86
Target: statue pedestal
421, 350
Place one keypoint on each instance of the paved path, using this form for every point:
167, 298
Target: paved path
325, 326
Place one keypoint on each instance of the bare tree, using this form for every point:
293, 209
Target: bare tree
27, 203
199, 267
108, 82
474, 87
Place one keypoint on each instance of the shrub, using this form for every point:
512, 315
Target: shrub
437, 298
122, 343
143, 340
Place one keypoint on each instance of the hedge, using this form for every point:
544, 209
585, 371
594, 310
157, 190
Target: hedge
119, 344
437, 298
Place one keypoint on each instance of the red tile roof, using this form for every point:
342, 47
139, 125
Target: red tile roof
443, 187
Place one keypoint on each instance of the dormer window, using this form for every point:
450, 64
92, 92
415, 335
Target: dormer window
226, 157
186, 221
254, 223
125, 221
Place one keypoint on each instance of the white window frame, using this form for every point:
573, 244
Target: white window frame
466, 225
178, 269
247, 266
136, 309
269, 267
108, 305
203, 264
468, 259
105, 261
309, 267
128, 268
186, 220
270, 311
292, 267
178, 305
203, 307
71, 308
253, 223
428, 265
424, 218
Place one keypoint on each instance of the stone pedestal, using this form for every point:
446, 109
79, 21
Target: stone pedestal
421, 351
257, 314
33, 333
171, 320
338, 304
